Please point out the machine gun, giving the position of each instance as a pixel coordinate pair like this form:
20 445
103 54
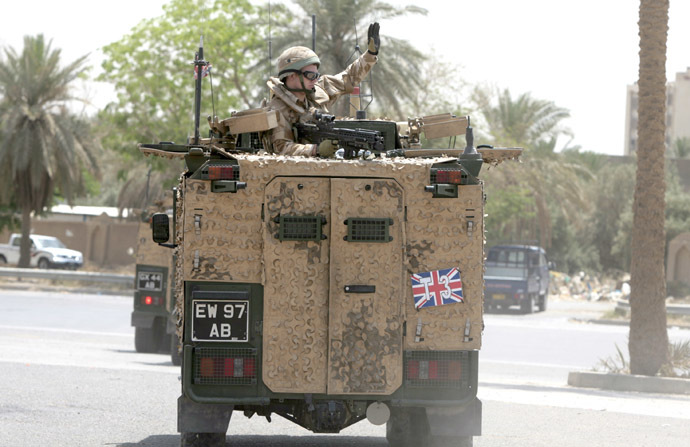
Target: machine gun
351 140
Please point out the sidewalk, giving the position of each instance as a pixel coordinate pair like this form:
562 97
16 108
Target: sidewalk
629 382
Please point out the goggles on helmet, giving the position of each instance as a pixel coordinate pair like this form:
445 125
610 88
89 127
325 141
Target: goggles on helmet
311 75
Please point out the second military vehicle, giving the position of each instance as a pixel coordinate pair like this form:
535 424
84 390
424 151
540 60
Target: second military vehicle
154 329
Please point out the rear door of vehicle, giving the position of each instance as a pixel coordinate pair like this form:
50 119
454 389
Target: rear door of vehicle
333 285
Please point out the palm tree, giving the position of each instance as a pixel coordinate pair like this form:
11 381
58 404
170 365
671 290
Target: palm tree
554 183
648 341
524 121
44 147
396 75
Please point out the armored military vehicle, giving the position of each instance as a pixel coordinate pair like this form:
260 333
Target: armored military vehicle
329 291
153 294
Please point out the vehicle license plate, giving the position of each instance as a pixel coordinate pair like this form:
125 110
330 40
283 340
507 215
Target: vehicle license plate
499 296
220 320
150 281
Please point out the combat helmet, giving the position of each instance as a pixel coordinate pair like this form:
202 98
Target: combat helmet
294 59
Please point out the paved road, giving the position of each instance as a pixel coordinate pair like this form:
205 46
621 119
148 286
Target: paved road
70 376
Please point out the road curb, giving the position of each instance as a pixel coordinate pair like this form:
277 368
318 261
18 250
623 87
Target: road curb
629 382
620 322
93 290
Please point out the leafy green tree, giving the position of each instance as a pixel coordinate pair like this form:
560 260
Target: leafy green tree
154 79
648 340
509 208
44 147
342 24
612 197
677 208
680 148
152 72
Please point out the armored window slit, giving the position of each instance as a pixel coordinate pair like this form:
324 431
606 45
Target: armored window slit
300 228
368 229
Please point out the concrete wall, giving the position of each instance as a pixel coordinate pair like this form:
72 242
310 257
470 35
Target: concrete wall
104 241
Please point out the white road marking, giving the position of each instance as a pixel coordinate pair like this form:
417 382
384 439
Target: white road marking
65 331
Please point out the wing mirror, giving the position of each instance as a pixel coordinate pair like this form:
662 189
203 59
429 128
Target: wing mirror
160 227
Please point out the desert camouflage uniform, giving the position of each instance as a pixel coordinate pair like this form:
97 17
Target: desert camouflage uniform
328 89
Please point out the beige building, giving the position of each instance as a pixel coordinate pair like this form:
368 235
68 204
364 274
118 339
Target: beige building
677 112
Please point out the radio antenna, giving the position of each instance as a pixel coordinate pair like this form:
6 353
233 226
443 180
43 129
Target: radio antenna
270 43
357 95
199 65
313 32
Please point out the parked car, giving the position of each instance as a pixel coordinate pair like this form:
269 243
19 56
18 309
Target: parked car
516 275
46 252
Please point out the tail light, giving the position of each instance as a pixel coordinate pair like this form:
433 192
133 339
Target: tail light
152 300
434 369
240 367
447 369
218 171
221 366
452 177
444 181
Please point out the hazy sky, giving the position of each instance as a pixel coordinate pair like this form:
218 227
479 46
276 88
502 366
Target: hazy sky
578 54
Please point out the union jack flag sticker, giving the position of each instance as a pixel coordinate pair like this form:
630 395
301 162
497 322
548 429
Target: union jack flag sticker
437 288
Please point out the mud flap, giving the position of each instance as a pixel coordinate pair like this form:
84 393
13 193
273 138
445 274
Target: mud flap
143 319
193 417
450 422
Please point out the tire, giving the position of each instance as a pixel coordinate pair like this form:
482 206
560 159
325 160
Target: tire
542 302
3 261
146 339
175 356
527 306
202 439
43 264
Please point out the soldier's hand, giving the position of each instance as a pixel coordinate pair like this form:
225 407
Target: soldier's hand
327 148
373 41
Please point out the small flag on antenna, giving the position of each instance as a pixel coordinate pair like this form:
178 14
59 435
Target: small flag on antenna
205 72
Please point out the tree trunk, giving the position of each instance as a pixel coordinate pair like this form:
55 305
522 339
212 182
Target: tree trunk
648 342
25 247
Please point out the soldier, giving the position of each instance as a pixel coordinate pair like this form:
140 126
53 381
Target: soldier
300 89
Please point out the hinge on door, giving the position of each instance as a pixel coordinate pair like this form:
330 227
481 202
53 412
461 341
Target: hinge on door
197 224
467 331
196 260
418 334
